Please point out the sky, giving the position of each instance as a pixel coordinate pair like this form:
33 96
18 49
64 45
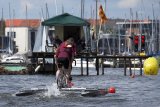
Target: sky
33 9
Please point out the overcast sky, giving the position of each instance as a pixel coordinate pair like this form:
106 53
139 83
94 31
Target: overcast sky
114 8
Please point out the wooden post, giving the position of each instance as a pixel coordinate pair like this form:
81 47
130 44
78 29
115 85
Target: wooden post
141 66
102 67
87 66
44 63
97 63
125 67
130 70
81 66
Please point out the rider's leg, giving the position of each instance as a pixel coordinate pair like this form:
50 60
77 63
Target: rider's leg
57 73
67 69
70 70
59 68
68 81
67 75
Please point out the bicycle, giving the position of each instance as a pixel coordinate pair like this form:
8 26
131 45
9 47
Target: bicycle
61 77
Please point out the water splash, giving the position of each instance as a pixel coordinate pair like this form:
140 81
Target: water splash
52 91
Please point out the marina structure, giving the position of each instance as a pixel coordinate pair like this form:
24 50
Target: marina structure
140 35
110 46
18 40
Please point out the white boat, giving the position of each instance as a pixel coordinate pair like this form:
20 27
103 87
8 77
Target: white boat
108 63
134 68
77 63
15 64
4 55
16 58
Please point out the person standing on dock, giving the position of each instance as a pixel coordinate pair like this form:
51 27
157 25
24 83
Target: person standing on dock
56 42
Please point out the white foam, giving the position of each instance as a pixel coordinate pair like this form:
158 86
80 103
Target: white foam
52 90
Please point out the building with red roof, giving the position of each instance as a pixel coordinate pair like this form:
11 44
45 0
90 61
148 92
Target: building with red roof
23 32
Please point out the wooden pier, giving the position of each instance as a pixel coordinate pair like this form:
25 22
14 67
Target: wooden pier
87 56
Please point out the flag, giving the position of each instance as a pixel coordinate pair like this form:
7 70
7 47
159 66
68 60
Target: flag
102 15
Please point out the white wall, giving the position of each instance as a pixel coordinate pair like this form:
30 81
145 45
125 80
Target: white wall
21 38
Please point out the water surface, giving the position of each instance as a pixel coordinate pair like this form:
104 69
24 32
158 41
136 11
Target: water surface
141 91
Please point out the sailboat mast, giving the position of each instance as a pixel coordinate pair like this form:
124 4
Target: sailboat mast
2 13
62 9
82 8
105 6
96 18
96 27
56 6
47 12
130 33
159 33
152 42
2 32
42 13
10 32
26 32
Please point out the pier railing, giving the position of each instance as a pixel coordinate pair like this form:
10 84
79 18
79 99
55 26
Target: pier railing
127 62
87 56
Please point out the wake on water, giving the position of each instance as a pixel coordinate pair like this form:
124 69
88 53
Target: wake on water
52 91
47 91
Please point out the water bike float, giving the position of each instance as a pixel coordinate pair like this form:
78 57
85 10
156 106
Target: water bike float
26 92
86 92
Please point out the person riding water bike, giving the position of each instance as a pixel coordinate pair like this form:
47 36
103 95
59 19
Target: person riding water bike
64 55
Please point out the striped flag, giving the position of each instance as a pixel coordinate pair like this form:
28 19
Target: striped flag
102 15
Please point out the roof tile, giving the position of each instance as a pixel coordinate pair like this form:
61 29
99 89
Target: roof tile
33 23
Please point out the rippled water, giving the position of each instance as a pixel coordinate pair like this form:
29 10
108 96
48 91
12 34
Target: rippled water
141 91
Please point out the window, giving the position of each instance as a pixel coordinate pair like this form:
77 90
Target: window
12 34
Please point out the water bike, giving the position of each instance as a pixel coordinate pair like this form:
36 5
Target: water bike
86 92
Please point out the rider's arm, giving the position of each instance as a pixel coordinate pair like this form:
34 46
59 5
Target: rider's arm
57 52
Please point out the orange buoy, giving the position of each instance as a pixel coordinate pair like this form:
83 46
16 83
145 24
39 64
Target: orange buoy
111 90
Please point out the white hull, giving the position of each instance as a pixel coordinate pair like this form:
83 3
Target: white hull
108 63
134 68
17 58
77 63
